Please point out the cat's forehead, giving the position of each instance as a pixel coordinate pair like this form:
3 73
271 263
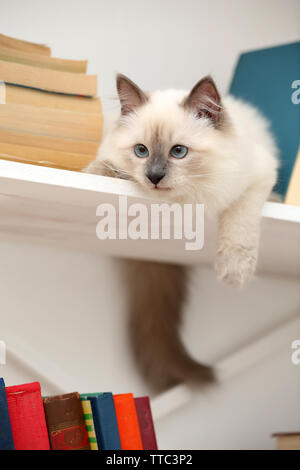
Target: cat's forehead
162 122
164 98
162 117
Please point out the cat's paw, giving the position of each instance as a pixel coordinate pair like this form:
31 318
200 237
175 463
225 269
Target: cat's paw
235 264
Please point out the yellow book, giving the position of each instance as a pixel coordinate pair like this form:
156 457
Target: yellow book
47 79
32 97
85 147
293 192
45 157
25 46
88 416
51 122
288 440
44 61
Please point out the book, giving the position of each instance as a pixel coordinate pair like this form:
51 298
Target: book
6 436
45 157
82 147
128 423
265 79
27 417
76 129
293 191
51 122
145 419
89 422
25 46
66 423
48 113
32 97
288 440
47 79
88 395
105 421
43 61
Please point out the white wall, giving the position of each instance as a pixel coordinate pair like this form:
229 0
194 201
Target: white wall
160 44
240 414
66 308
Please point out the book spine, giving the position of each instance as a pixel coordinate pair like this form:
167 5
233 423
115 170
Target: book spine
128 424
6 436
105 421
65 422
144 413
27 417
89 422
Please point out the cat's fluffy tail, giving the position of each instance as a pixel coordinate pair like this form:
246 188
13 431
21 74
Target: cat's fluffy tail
156 294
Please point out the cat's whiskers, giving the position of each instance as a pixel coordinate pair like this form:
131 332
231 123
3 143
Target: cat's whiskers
118 170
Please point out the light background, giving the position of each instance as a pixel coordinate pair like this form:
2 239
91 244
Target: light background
158 43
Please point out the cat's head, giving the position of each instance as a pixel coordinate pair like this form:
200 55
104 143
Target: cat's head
167 140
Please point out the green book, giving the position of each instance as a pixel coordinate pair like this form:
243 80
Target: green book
88 417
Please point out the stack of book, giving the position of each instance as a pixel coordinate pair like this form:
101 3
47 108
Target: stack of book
90 421
49 113
287 440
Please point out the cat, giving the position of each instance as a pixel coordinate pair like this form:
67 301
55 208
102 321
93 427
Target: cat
188 147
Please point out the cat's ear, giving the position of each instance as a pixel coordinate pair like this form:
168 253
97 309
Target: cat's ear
130 95
204 100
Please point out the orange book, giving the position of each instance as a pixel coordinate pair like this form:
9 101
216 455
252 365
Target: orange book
128 424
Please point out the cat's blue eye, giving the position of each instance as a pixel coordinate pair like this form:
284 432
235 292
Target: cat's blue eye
141 151
179 151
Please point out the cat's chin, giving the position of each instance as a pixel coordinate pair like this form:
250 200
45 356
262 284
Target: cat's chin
169 195
164 193
161 189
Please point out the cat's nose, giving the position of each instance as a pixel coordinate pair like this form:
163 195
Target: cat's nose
155 174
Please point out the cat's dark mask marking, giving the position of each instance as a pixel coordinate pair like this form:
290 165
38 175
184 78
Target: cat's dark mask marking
158 162
204 101
130 95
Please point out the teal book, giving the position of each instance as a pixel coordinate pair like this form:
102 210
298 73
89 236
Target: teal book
270 80
85 396
6 436
105 421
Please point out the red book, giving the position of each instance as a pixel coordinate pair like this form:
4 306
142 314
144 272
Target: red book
143 409
128 424
27 417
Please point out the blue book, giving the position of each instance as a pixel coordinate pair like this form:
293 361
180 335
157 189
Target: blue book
6 437
105 421
270 80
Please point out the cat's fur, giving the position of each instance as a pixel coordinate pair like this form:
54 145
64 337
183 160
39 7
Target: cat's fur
231 167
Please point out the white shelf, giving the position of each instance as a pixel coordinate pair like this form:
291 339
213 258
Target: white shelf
59 207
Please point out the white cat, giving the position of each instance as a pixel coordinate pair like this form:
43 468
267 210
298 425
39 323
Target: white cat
194 147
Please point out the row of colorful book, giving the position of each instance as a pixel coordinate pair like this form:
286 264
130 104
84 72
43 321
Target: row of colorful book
49 112
90 421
